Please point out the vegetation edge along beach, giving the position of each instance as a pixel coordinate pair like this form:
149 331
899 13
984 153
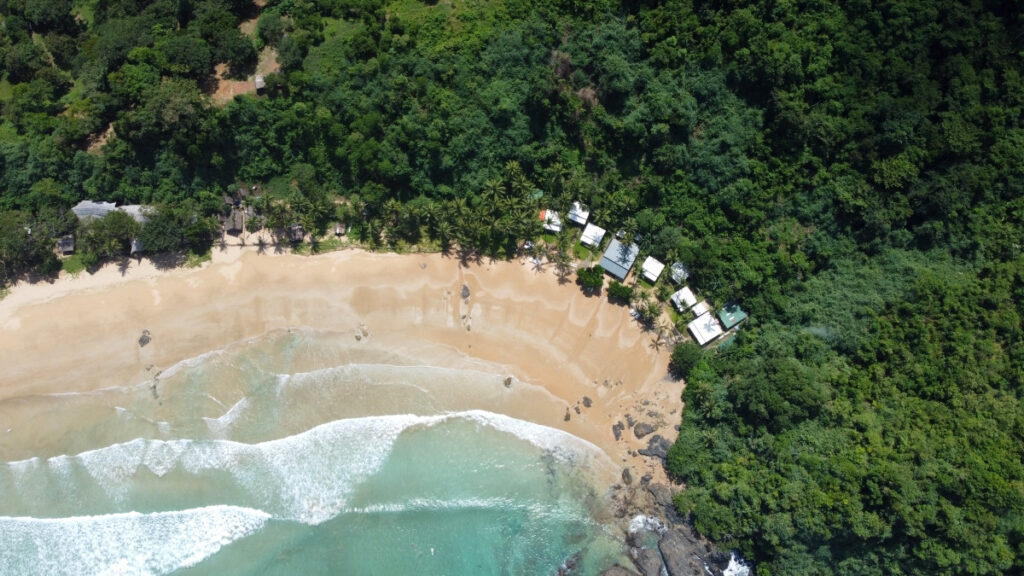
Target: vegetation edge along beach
849 174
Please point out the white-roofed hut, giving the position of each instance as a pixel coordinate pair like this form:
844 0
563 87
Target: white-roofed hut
705 328
683 299
578 214
652 269
592 235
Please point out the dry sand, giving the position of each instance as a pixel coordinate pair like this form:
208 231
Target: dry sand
517 317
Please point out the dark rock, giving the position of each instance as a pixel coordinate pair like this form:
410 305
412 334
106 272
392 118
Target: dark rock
662 494
629 420
649 562
627 476
617 428
642 429
508 382
657 447
577 409
587 402
465 291
567 415
618 571
645 479
144 339
681 553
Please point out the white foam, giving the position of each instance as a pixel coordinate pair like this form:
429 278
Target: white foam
220 425
307 477
647 524
736 567
130 543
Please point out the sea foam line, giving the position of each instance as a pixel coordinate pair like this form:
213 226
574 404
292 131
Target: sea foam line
123 544
307 477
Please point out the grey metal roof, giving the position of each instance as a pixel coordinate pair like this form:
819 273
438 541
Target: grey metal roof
618 259
87 209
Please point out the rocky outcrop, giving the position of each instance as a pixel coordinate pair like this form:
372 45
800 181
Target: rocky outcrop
662 494
657 447
648 561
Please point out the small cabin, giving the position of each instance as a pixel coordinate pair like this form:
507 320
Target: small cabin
296 233
66 245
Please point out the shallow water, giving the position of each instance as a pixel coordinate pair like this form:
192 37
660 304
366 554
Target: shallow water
298 454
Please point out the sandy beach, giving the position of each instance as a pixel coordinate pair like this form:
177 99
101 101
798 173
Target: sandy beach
517 319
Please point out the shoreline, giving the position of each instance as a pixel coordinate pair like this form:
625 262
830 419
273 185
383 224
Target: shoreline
580 349
575 362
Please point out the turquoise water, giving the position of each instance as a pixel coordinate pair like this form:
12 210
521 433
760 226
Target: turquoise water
298 454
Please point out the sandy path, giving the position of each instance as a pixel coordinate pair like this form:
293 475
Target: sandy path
541 332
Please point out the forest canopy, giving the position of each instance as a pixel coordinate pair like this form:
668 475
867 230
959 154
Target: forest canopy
852 172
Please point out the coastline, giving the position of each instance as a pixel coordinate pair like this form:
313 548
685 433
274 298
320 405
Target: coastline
580 349
567 360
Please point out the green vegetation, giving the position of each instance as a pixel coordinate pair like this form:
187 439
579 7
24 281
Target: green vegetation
849 172
620 292
591 279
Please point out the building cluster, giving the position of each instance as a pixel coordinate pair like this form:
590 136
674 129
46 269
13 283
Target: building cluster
619 259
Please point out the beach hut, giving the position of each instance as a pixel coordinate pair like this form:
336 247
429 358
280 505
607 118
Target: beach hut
731 314
700 308
679 273
296 233
592 236
578 215
136 247
618 259
339 229
551 221
66 244
652 269
705 329
683 299
235 221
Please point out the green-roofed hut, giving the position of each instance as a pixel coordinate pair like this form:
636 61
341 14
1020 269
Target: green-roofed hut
731 314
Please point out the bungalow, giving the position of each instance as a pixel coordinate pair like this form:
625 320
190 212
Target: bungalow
259 82
592 235
618 259
578 214
339 229
87 209
235 221
684 299
679 273
138 212
552 222
731 314
700 308
296 233
652 269
705 329
66 244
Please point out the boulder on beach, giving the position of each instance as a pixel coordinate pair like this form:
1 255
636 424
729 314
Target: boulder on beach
681 554
642 429
662 494
648 561
657 447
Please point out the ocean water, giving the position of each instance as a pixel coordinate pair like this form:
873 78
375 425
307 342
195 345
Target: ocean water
298 453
